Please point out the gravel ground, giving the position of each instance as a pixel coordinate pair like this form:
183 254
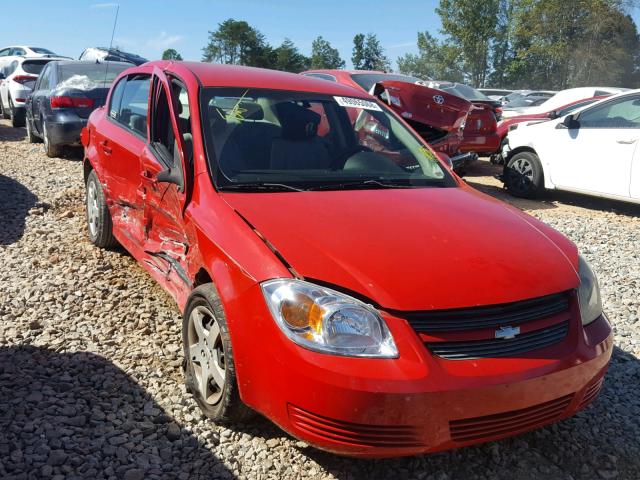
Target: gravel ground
90 379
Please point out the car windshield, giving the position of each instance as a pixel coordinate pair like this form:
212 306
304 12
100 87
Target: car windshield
42 51
89 75
368 80
571 108
519 100
281 140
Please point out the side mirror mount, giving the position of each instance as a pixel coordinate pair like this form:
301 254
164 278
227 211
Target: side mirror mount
171 175
569 122
552 115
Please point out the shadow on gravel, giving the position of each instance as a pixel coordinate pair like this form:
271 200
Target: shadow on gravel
79 416
599 442
11 134
15 202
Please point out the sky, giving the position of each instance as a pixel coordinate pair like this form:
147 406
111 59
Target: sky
148 27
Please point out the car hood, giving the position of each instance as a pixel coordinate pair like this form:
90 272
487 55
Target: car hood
413 249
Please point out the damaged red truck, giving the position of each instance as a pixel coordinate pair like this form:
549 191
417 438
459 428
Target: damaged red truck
367 302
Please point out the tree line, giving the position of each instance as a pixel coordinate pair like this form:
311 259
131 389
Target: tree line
551 44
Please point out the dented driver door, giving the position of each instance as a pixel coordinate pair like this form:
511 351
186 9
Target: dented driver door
164 183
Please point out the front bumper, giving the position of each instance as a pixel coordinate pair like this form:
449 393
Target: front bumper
417 403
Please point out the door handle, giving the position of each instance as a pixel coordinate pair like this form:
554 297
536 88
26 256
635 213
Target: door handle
105 147
627 141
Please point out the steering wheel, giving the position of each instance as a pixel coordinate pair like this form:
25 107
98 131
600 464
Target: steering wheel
340 160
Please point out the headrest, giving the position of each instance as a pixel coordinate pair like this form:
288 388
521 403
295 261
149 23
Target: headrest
250 110
298 123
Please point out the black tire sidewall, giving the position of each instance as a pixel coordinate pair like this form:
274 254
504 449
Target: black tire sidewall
229 408
535 187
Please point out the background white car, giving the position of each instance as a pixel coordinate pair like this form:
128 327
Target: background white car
9 54
17 79
593 151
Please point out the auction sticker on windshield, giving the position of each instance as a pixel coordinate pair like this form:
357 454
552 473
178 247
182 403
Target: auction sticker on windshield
357 103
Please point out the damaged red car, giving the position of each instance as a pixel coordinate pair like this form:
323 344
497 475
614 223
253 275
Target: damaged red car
437 116
367 301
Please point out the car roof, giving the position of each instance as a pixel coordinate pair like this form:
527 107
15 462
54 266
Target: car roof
218 75
89 62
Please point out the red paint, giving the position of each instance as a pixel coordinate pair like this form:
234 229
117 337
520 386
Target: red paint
404 250
420 109
480 131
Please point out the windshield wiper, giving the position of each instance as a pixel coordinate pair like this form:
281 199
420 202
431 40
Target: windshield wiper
365 184
260 186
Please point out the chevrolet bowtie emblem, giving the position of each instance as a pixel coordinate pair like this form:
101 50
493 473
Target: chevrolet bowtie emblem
507 332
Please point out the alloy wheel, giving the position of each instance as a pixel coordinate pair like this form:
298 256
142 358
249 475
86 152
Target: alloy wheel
523 171
93 211
206 354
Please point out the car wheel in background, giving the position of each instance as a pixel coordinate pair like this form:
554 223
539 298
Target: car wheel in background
17 118
49 149
99 222
208 358
3 111
31 137
523 175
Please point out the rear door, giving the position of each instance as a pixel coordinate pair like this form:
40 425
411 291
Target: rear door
598 156
169 153
120 139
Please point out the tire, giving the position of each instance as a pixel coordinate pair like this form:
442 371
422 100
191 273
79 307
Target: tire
50 150
3 110
206 341
31 137
99 223
17 118
523 175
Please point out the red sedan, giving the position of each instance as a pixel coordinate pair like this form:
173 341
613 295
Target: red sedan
368 302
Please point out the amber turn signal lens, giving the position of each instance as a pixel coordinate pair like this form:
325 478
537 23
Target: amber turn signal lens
302 312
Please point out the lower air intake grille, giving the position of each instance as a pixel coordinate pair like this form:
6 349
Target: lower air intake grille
501 347
591 393
354 433
508 423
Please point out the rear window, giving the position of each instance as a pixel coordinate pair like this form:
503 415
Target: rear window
34 66
368 80
463 91
89 75
42 51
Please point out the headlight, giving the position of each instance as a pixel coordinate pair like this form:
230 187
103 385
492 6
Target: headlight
588 293
327 321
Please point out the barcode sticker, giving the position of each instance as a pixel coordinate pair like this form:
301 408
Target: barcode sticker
351 102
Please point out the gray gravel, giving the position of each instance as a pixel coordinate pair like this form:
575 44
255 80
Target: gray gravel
90 379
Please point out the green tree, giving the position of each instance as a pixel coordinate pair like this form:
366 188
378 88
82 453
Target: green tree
323 55
368 54
236 42
470 26
171 54
289 59
436 60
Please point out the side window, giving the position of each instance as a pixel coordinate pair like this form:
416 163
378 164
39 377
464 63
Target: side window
18 51
4 52
116 98
622 113
134 104
43 74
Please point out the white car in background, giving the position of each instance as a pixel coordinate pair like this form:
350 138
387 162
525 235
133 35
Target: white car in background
560 99
592 151
9 54
17 79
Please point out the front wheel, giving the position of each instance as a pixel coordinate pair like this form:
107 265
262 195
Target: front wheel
523 175
208 358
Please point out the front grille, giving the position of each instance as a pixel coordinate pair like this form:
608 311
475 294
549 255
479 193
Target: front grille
354 433
591 393
509 423
501 347
487 317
